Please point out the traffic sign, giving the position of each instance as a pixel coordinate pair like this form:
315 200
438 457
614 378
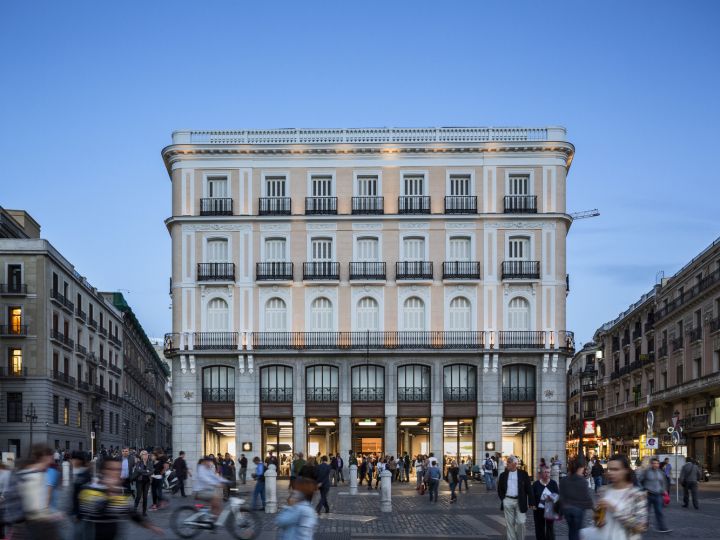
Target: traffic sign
675 438
650 419
92 434
652 443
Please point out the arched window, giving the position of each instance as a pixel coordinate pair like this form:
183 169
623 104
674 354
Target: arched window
460 316
459 383
413 383
414 314
321 315
276 315
368 383
321 383
518 382
368 314
276 384
519 314
218 316
218 383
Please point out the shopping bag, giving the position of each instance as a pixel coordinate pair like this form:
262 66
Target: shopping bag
666 498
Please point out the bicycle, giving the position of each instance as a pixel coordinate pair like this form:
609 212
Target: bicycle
189 521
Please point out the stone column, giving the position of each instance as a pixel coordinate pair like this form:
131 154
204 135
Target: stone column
390 435
187 426
436 432
549 429
488 423
247 410
299 426
345 432
385 491
271 490
353 479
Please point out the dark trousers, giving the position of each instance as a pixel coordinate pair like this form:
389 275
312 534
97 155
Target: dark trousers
543 527
574 517
655 503
157 490
453 495
690 488
433 486
463 478
323 499
181 486
141 492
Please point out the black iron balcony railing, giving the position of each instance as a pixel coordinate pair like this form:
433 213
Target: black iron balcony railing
9 372
92 323
61 338
60 299
702 285
649 327
626 341
359 341
216 206
414 270
521 339
637 334
461 204
519 393
320 206
16 330
215 340
615 344
368 205
459 394
216 271
17 289
276 395
102 331
589 387
461 270
321 270
521 204
81 349
663 350
695 334
99 390
223 395
102 361
91 358
274 271
368 394
589 415
677 343
521 270
59 376
407 393
83 385
648 358
322 394
367 270
114 340
414 204
275 206
80 315
715 324
115 369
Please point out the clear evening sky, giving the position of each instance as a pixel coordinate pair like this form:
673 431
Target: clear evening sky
90 92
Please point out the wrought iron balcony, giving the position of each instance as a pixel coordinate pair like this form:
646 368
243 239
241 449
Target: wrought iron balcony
275 206
649 327
362 341
414 270
102 361
521 339
414 204
715 324
637 334
459 394
13 289
521 270
320 206
102 331
677 343
13 330
80 315
461 204
322 394
702 285
521 204
368 205
695 334
367 270
59 298
276 395
216 206
115 369
408 393
80 349
368 394
92 323
83 385
222 395
9 372
59 376
114 340
589 387
519 393
99 390
201 341
61 338
324 270
274 271
461 270
663 350
626 341
216 271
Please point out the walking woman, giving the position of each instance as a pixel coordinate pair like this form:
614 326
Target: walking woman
141 475
453 474
575 497
159 465
543 527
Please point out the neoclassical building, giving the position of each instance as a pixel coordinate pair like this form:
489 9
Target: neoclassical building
382 290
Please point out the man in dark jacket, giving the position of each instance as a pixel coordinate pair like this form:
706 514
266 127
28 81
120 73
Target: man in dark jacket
181 470
516 497
689 476
323 481
127 466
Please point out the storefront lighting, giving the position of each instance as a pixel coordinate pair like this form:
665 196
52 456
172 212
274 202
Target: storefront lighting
367 423
285 423
409 423
450 423
325 423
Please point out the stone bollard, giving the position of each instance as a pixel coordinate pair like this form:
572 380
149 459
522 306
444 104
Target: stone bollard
385 491
353 479
271 490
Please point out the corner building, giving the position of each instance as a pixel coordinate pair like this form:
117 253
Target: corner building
381 290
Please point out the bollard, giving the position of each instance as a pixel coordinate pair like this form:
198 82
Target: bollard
385 491
353 479
271 490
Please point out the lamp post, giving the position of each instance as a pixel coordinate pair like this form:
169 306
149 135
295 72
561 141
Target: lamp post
31 417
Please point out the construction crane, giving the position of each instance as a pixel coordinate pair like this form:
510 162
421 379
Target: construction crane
585 214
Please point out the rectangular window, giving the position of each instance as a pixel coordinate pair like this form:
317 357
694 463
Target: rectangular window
66 412
518 249
459 248
78 422
217 251
102 420
14 277
367 186
14 407
519 184
679 374
217 187
459 185
15 361
321 250
664 380
111 422
15 317
413 185
56 410
275 186
275 249
367 249
697 368
414 249
321 186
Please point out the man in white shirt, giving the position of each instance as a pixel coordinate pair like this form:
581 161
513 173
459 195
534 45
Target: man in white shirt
516 495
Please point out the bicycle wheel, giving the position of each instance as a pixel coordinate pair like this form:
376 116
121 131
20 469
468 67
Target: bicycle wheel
180 522
242 525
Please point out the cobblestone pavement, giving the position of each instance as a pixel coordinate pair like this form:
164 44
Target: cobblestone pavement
476 515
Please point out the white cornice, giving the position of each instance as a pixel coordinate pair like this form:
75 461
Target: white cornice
211 227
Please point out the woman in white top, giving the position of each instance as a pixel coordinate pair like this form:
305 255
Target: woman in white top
418 471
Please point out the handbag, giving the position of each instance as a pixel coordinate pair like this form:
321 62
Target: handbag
666 498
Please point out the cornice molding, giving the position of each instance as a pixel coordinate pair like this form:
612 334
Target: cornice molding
212 227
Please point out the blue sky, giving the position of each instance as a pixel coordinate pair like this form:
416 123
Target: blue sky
90 92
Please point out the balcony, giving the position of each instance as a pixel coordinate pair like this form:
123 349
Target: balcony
218 395
589 387
414 204
216 271
58 298
64 378
80 315
695 334
715 324
216 206
368 394
322 394
62 339
370 271
84 386
521 270
10 373
276 395
320 206
413 394
519 393
677 343
521 204
590 415
521 339
275 206
13 289
80 350
91 358
647 359
637 334
461 204
98 390
414 270
663 350
114 340
13 330
92 323
321 271
102 361
461 270
364 341
459 394
704 284
649 327
114 369
368 206
102 331
274 271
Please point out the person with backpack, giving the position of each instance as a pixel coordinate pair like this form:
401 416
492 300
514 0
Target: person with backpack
259 476
488 468
432 477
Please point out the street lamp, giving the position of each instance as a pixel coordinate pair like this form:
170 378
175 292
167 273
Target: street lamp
31 418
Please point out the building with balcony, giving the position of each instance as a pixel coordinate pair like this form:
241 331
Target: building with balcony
663 354
583 435
392 290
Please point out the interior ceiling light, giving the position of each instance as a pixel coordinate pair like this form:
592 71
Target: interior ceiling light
505 423
367 423
229 424
409 422
286 423
450 423
325 423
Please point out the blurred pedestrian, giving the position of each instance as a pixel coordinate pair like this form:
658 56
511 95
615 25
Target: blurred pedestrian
297 521
575 497
516 496
652 480
259 477
141 475
181 470
689 477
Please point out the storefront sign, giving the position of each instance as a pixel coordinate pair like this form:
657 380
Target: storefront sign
247 447
589 427
652 443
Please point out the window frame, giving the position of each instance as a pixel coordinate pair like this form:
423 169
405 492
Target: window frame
267 392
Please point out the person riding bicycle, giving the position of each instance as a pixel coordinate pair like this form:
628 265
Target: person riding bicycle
206 485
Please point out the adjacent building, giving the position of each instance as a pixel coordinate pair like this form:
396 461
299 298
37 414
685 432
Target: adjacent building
582 391
380 290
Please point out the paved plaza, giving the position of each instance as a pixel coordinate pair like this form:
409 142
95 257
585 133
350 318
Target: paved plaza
475 515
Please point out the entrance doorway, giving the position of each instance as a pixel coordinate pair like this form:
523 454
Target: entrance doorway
458 440
368 436
277 437
219 437
413 436
517 440
322 436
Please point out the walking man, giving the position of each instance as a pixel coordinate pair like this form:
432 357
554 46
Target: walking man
689 476
243 468
259 476
488 467
432 477
652 480
323 480
181 470
516 497
127 466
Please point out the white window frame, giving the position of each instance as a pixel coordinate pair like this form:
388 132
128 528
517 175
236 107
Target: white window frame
265 318
333 182
263 183
461 234
513 171
332 317
423 173
205 312
373 172
531 302
356 248
267 236
459 172
422 292
213 236
357 317
318 236
414 234
377 293
22 270
207 174
265 294
514 235
473 314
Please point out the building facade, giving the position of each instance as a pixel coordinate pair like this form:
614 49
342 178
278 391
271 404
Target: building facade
381 290
583 434
663 354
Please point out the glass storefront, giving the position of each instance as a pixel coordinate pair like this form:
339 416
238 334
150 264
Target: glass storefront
322 436
219 437
368 435
277 437
458 440
517 440
413 436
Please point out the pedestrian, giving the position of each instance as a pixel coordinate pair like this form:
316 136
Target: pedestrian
243 462
227 471
689 477
333 470
555 469
370 468
127 465
259 477
667 469
653 480
341 466
453 479
575 497
463 475
432 478
419 473
41 521
488 469
181 471
322 476
159 466
297 521
406 467
207 483
542 490
597 473
516 497
141 476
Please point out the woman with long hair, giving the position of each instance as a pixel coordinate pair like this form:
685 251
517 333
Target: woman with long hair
575 497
